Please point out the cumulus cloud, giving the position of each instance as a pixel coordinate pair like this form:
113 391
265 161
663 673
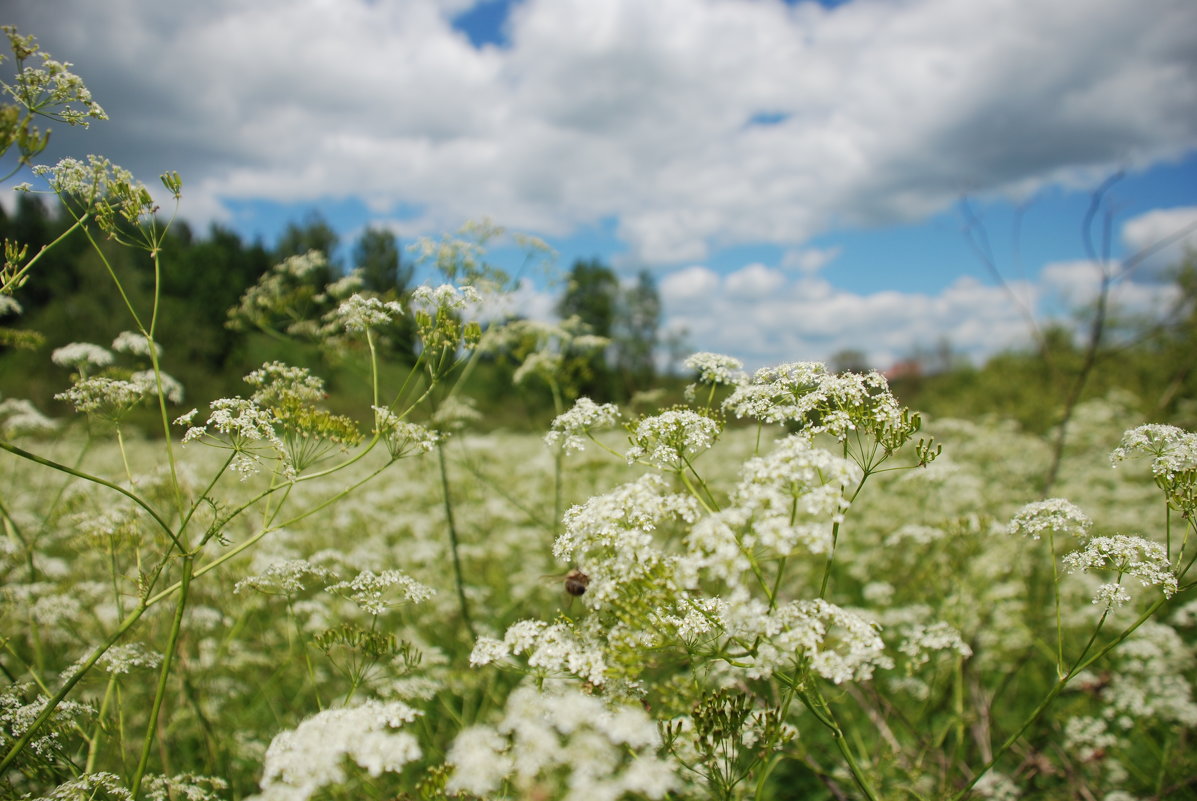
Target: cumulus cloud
1164 235
806 318
695 124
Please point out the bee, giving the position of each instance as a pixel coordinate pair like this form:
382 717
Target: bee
576 582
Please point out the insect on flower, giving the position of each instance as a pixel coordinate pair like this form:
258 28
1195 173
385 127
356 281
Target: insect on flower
575 582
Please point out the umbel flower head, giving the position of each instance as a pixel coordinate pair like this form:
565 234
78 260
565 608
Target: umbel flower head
563 743
1057 515
1173 453
300 761
1124 555
818 401
672 439
570 429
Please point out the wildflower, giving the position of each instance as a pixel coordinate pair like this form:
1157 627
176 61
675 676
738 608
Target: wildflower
120 659
402 438
276 382
822 402
92 786
672 439
110 190
358 313
19 417
938 636
81 356
565 740
1174 465
135 344
148 382
568 429
551 649
1088 737
368 589
50 90
837 644
1057 515
610 538
107 398
186 786
284 577
445 296
1127 556
714 368
9 305
301 761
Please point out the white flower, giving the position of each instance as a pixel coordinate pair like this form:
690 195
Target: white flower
359 313
135 344
715 368
81 355
1057 515
445 296
567 743
301 761
569 428
1128 556
403 438
369 590
671 440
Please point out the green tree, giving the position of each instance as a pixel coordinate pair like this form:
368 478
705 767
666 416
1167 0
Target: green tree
314 233
636 342
592 296
377 255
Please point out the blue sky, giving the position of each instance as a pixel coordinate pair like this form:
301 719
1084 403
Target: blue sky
792 174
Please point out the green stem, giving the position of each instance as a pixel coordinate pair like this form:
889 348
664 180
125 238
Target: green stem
21 742
453 544
164 675
33 457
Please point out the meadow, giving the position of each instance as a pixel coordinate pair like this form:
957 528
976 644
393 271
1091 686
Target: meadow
788 586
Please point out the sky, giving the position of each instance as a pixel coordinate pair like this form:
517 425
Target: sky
800 178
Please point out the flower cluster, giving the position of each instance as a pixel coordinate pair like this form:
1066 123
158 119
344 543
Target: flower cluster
358 313
401 437
300 761
50 90
807 394
570 429
276 383
1127 556
715 368
135 344
563 744
1173 453
610 537
82 356
835 643
370 590
552 650
1057 515
110 191
672 439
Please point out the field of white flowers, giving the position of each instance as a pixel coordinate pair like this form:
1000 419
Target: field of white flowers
789 587
763 614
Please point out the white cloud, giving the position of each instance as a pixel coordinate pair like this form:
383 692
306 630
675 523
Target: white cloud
809 260
806 318
1177 226
754 282
628 110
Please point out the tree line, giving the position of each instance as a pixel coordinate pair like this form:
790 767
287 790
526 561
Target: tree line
207 274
